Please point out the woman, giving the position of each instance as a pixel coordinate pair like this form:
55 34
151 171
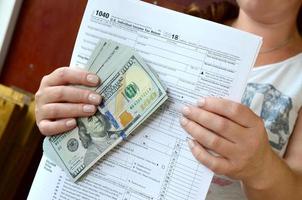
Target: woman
244 141
241 140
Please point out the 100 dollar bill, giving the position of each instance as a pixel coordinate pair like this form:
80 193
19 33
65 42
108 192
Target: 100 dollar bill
131 92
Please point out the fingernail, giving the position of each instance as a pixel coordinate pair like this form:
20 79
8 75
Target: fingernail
88 108
183 121
95 98
186 110
191 144
92 79
201 102
71 123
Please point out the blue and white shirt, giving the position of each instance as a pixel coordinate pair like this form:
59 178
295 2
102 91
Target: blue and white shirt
274 92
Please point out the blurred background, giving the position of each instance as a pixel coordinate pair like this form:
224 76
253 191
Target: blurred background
36 37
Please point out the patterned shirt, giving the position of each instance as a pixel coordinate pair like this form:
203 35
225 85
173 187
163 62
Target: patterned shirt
274 92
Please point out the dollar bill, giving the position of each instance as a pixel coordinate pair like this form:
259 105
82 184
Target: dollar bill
131 93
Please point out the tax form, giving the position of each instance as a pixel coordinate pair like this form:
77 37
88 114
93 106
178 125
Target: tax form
194 58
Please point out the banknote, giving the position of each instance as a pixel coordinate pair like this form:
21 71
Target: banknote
131 92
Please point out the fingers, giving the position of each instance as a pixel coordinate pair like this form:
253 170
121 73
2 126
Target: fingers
58 103
64 110
67 94
211 121
67 75
229 109
207 138
216 164
48 127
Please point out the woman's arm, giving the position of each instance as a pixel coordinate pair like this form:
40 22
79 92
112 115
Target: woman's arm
284 177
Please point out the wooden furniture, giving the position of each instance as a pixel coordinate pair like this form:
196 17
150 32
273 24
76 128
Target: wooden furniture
18 138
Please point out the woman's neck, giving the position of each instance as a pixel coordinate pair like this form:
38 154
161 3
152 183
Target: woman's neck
281 38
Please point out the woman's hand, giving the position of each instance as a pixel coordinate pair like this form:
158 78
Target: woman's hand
58 103
232 131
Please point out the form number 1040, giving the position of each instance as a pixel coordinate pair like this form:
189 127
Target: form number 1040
102 14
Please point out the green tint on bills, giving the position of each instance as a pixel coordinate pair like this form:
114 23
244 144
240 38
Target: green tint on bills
131 92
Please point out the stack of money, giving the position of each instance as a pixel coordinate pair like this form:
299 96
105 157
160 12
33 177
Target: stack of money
131 92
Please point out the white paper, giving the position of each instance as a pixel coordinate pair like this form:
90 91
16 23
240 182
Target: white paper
194 58
9 11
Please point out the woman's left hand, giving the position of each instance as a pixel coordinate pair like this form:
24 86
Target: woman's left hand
233 132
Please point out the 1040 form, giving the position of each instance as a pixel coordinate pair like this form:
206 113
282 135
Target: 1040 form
194 58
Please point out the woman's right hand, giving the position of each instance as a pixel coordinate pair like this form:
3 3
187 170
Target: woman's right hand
58 103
